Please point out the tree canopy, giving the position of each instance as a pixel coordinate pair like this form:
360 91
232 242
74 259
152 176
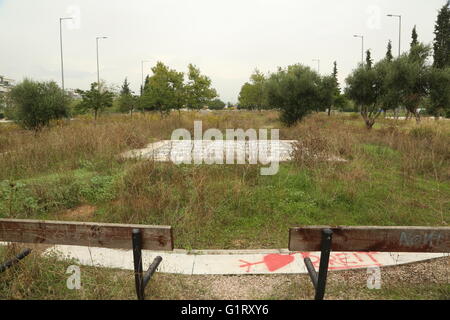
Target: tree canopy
95 99
35 103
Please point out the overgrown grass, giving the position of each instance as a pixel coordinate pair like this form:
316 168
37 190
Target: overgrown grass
396 174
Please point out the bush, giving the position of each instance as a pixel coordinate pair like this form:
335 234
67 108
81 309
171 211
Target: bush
35 103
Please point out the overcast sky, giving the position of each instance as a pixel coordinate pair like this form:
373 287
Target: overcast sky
226 39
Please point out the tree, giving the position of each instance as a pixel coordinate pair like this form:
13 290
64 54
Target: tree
164 90
336 87
389 56
37 103
127 101
296 91
252 95
409 77
439 83
441 44
198 89
363 88
95 99
414 37
217 104
369 61
327 92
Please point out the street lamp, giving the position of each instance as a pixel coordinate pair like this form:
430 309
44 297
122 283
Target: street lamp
399 30
362 46
98 64
318 64
61 42
142 70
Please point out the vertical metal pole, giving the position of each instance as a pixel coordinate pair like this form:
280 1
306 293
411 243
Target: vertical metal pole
327 235
400 35
62 59
362 50
137 256
98 68
142 71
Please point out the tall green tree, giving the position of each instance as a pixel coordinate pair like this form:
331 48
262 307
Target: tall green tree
95 100
389 56
441 44
164 90
414 37
439 89
336 87
369 60
35 103
127 101
199 92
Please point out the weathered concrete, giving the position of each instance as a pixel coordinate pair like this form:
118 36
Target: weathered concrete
231 262
212 150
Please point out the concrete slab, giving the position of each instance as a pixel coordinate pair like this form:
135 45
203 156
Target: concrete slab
218 151
230 262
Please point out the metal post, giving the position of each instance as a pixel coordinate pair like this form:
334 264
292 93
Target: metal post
140 279
362 47
137 257
327 236
62 56
98 68
98 63
399 35
8 264
62 59
362 50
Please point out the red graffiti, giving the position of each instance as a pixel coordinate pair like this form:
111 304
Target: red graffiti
272 261
338 260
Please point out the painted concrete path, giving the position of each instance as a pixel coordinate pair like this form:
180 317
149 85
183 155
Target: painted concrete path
234 262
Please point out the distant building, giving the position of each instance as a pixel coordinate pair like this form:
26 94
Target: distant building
5 84
73 94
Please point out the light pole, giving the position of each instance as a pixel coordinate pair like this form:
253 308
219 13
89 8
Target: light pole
62 57
362 46
318 64
98 64
142 70
399 30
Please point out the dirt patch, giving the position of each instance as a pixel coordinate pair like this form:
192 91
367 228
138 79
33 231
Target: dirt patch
81 213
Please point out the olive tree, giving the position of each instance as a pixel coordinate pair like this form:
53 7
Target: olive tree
296 91
35 103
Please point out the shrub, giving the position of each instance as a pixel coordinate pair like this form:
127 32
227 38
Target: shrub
37 103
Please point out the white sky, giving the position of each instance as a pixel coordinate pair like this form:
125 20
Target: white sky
226 39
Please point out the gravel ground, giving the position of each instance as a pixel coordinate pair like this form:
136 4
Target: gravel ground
424 280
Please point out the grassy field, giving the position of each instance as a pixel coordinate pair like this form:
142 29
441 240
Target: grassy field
396 174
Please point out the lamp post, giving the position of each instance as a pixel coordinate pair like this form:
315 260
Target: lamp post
399 30
318 64
61 43
142 71
98 64
362 46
